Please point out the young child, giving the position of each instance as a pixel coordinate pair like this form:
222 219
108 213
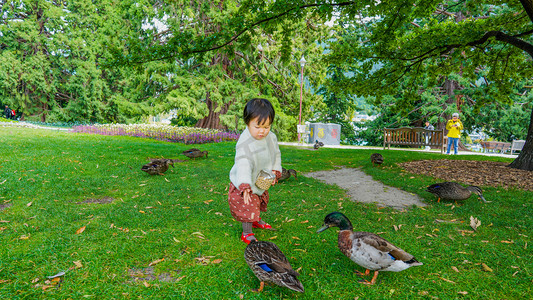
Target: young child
257 149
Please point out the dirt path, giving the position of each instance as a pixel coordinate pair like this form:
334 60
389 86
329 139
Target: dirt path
362 188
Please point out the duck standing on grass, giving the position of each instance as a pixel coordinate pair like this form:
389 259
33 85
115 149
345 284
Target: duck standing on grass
194 153
157 166
368 250
318 144
287 173
376 158
454 191
269 264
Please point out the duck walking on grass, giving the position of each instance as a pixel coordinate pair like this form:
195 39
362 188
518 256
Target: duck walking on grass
376 158
269 264
318 144
287 173
368 250
194 153
157 166
454 191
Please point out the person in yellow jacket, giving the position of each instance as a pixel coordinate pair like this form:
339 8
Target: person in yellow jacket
454 127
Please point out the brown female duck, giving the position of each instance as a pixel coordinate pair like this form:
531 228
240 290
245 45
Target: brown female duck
454 191
286 173
376 158
194 153
269 264
157 166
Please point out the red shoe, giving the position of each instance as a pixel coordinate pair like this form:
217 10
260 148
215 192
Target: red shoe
262 226
245 239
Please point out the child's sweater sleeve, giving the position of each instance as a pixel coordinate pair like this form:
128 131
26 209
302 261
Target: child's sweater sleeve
242 168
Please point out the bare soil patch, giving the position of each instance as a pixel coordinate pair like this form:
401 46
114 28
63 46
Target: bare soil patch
104 200
480 173
148 274
4 206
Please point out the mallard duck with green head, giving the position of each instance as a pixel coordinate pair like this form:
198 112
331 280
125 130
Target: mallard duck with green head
269 264
368 250
157 166
455 191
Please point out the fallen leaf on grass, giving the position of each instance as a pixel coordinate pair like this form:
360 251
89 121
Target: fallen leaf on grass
208 201
142 211
82 229
146 284
29 204
3 281
462 293
167 180
455 269
303 222
35 280
4 221
78 264
486 268
273 237
155 262
176 240
447 280
474 223
198 235
508 242
216 261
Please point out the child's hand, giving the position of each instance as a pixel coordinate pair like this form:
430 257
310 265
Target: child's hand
246 197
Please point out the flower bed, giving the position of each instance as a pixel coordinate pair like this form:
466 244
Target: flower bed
186 135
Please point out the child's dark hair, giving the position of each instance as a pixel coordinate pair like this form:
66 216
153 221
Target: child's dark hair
261 108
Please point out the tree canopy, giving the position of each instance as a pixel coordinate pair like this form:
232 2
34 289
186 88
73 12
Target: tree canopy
120 60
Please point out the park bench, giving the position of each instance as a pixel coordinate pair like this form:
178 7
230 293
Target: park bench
517 145
413 137
488 146
494 146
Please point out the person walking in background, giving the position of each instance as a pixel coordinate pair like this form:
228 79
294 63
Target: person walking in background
454 127
7 112
428 127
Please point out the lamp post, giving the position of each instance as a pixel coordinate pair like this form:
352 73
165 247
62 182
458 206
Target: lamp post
302 63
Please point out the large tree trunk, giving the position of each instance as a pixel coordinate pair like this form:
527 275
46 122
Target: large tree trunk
212 120
524 161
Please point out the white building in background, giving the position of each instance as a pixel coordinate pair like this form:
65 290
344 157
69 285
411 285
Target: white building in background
163 118
363 118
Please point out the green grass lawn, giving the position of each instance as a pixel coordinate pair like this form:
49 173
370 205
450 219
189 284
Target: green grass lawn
173 237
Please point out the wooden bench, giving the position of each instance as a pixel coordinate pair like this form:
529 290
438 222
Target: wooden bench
413 136
494 146
517 145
